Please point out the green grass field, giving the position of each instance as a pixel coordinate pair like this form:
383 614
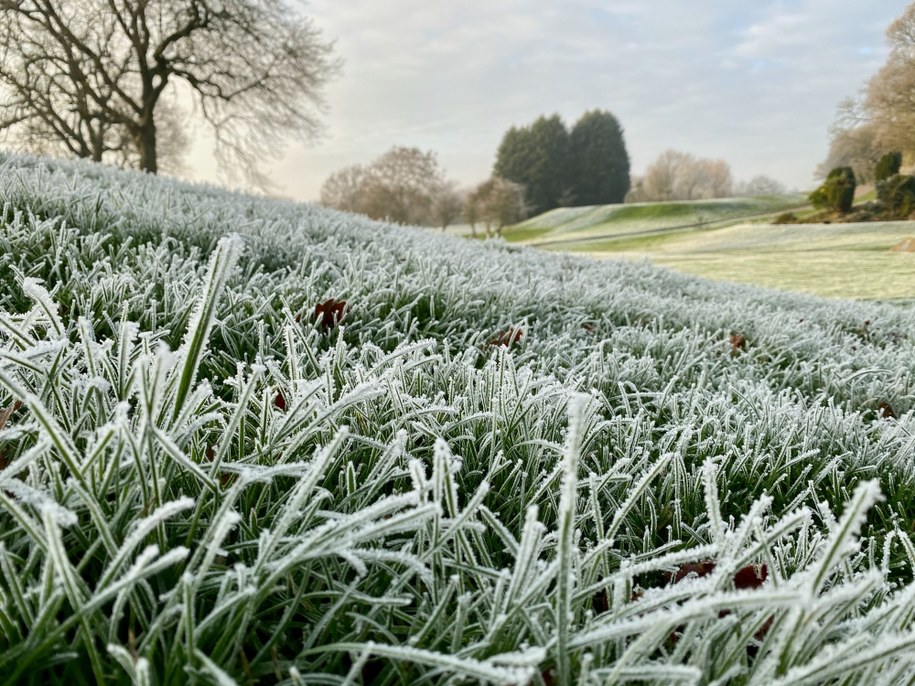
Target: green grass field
566 226
838 260
250 442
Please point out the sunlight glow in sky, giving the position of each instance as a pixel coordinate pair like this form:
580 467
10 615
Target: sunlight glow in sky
755 83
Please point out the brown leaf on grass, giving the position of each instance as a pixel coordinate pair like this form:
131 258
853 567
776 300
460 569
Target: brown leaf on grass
884 411
703 568
330 313
507 337
5 415
8 411
280 400
751 576
600 603
738 342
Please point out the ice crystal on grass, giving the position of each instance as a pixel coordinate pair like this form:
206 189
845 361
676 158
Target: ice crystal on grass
195 485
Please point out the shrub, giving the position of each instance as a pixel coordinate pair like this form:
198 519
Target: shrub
888 166
897 194
837 193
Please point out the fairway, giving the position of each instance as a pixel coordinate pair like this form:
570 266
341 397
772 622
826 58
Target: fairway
567 227
840 260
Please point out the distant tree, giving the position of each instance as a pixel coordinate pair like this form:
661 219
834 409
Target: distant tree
401 186
537 157
471 211
660 179
447 205
91 78
676 175
758 186
636 190
837 193
345 189
498 203
716 180
598 161
853 142
888 166
889 100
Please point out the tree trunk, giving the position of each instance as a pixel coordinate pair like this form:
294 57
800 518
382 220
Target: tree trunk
146 142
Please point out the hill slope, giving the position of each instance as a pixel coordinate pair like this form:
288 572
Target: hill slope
570 227
501 466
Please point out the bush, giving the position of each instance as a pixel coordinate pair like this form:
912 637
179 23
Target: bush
786 218
888 166
837 193
897 194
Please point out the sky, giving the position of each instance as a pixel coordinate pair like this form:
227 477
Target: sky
754 83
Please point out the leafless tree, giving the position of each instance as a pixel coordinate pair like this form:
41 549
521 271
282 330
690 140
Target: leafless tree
344 189
759 185
100 78
677 175
402 186
447 204
498 203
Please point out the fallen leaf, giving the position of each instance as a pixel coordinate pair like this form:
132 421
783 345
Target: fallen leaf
330 313
885 411
507 337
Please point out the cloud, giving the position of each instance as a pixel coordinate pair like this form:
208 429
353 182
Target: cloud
754 84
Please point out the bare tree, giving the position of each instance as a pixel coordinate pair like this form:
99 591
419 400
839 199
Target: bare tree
95 78
853 141
401 186
344 189
676 175
498 203
660 180
758 186
447 204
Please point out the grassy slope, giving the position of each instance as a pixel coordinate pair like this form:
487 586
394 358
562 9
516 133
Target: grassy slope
840 260
844 260
567 225
408 509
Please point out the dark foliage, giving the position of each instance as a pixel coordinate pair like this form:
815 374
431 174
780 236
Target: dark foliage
897 194
837 194
888 166
599 163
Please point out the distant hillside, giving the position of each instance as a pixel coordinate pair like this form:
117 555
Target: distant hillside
566 226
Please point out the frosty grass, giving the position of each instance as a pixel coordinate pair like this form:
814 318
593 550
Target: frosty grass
495 469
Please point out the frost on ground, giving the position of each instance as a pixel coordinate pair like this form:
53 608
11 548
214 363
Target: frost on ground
488 465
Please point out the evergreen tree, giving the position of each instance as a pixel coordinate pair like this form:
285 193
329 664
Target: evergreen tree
537 157
598 160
